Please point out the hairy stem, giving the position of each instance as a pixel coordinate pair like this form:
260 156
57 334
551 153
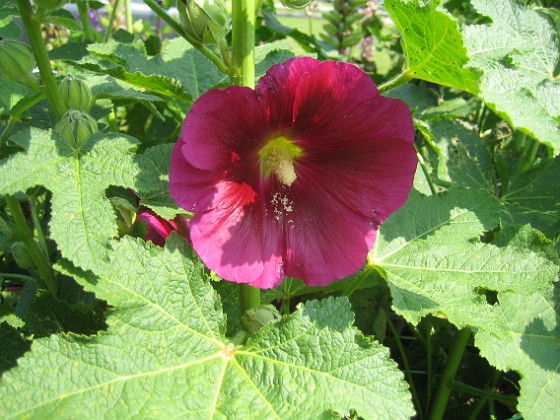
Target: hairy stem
24 234
401 79
406 365
83 9
243 16
446 381
41 57
243 60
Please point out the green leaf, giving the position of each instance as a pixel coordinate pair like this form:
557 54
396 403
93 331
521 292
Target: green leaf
152 184
180 71
463 159
12 92
435 263
531 345
83 220
534 198
518 54
13 346
165 353
432 44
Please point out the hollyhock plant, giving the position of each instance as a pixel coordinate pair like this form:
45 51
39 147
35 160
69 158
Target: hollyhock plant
295 177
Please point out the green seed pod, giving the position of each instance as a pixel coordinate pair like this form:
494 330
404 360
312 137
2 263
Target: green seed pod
76 127
50 4
21 255
17 62
296 4
76 94
205 20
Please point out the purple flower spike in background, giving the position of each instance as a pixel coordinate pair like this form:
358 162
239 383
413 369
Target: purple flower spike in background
295 177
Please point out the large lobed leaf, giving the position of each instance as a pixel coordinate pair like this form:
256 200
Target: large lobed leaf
83 220
518 54
435 263
432 44
531 345
165 354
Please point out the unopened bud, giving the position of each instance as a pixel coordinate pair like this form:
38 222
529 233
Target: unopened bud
50 4
17 62
75 93
205 20
76 127
296 4
256 318
21 255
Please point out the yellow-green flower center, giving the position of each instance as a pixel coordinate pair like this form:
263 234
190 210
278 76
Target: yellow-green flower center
277 157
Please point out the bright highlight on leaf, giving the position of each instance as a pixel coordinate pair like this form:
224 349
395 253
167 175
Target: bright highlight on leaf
432 44
295 177
518 54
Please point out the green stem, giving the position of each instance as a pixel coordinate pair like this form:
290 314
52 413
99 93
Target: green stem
401 79
243 23
406 365
83 9
41 57
128 15
462 387
446 381
429 361
426 170
214 58
109 29
17 276
529 155
24 234
37 224
250 297
361 278
243 40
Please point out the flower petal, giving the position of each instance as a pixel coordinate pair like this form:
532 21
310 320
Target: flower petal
191 188
222 126
279 86
237 240
323 245
338 103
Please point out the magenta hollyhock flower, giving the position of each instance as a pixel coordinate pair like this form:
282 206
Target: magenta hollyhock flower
158 228
295 177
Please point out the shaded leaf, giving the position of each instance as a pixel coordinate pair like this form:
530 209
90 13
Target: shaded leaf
531 345
534 198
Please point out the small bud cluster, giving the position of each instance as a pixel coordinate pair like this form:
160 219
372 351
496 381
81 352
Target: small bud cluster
76 126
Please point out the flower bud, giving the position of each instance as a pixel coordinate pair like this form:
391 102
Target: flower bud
296 4
76 127
17 62
76 94
21 255
256 318
205 20
50 4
